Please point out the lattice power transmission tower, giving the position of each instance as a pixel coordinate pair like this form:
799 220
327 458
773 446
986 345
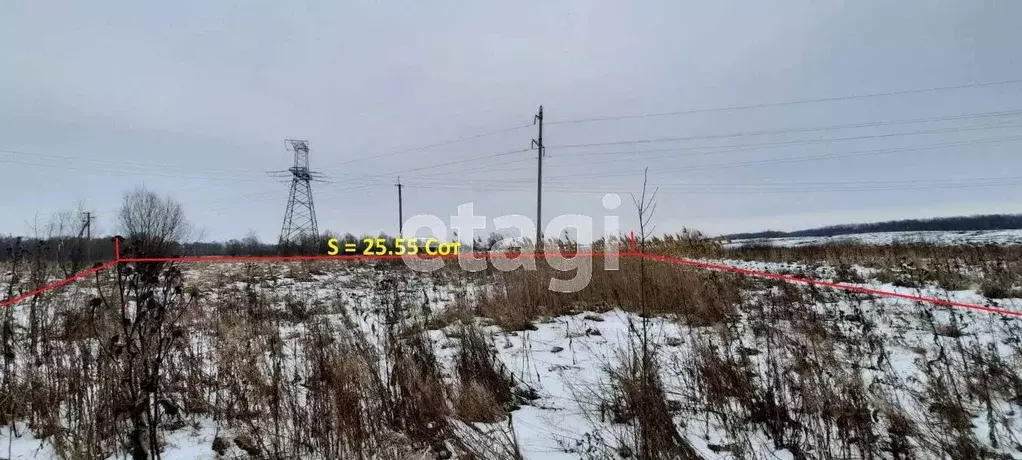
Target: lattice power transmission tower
300 215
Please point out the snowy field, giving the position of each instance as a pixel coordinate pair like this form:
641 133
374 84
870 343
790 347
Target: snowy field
936 237
795 373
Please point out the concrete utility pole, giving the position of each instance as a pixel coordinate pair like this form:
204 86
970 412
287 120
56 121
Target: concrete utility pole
400 214
538 145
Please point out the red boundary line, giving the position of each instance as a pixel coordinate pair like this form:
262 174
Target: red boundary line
527 255
846 287
58 284
474 255
222 259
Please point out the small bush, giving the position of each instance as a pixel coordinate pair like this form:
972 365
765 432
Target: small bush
993 290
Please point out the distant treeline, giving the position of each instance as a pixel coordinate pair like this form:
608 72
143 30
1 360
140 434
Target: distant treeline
102 249
62 248
961 223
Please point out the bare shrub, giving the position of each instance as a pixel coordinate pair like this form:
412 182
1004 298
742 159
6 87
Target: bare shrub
637 397
149 302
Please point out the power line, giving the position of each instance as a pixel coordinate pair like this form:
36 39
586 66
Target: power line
700 191
753 186
422 181
127 167
501 165
717 149
563 180
788 103
369 181
841 183
438 165
222 203
774 160
852 153
429 146
122 163
805 158
376 182
241 179
767 145
568 188
132 168
129 171
740 148
795 130
733 148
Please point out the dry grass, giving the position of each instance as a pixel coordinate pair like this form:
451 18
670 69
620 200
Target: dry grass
992 270
289 371
517 299
637 397
477 403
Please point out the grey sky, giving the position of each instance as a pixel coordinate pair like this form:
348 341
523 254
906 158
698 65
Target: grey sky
194 99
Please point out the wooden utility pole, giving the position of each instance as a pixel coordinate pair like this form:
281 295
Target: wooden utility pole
87 223
88 235
538 145
400 213
87 230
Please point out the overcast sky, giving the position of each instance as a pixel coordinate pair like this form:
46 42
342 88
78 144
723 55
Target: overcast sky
194 99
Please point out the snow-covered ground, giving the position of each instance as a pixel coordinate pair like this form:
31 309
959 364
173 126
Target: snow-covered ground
890 343
881 238
563 421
